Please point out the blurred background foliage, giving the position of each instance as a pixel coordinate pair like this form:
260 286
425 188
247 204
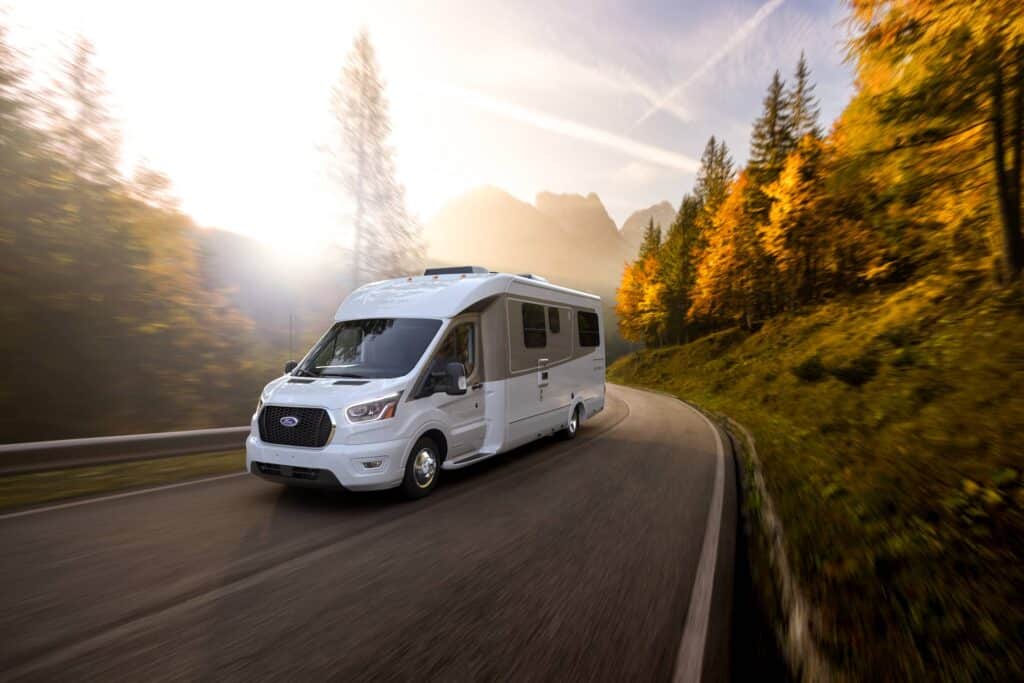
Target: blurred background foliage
119 314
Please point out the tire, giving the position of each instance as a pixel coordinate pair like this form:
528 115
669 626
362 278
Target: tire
422 468
573 427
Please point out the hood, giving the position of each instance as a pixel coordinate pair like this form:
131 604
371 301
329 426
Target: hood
333 393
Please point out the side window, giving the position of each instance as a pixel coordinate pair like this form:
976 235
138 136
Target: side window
465 346
587 324
458 347
535 334
553 323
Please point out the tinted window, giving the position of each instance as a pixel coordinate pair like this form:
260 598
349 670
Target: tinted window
553 323
458 347
535 334
590 333
379 347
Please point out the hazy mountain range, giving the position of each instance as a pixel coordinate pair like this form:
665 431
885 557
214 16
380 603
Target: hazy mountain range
567 238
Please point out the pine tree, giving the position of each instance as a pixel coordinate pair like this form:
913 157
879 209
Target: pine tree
385 239
771 142
714 175
771 139
796 236
651 241
803 105
677 267
639 302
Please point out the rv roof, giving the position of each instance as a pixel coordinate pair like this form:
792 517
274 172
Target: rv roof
434 296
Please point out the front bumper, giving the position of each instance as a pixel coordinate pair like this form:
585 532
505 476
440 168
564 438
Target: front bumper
362 467
296 476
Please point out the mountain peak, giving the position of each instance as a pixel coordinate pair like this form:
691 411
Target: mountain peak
632 231
578 215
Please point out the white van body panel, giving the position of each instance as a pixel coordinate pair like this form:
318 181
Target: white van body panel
520 394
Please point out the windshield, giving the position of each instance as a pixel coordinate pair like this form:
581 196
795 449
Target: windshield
376 348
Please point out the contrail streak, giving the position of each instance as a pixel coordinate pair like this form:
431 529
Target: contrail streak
572 129
741 34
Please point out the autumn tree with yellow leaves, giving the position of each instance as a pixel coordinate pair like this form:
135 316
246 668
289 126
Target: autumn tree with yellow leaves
922 171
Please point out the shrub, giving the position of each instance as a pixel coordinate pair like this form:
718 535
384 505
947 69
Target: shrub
899 336
929 390
810 370
858 371
904 359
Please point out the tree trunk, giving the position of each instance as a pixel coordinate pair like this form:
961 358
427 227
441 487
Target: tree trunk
1008 177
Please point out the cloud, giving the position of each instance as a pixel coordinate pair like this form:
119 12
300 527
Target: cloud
568 128
636 173
740 35
518 66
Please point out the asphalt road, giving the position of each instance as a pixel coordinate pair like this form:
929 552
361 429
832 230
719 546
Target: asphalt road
558 561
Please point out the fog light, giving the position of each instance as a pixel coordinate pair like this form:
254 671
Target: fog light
372 464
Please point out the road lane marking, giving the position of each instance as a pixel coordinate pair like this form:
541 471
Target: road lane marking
126 494
690 659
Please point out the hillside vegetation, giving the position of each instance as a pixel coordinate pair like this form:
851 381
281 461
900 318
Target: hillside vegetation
889 426
854 297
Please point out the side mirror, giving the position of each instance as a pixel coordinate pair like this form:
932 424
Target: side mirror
456 379
289 366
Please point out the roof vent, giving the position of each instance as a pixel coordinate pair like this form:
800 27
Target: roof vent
457 270
531 276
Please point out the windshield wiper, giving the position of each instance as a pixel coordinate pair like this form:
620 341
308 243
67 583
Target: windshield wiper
305 372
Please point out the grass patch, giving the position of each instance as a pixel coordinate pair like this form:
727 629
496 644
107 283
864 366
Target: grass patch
23 490
890 438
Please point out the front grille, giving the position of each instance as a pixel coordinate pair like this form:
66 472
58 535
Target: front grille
312 430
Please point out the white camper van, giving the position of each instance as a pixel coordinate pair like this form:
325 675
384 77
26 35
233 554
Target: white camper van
431 373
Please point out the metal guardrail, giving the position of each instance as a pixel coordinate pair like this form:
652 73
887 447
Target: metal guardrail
39 456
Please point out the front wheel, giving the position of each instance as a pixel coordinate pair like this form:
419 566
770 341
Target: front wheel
421 469
574 425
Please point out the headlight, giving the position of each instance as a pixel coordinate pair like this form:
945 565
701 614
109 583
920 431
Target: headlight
378 409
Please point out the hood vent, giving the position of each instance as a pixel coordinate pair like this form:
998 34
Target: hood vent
351 382
300 381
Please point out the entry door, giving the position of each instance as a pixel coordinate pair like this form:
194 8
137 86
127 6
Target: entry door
467 422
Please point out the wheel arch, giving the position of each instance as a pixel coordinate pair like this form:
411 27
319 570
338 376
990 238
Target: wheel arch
577 404
437 436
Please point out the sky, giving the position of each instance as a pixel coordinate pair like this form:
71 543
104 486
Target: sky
231 99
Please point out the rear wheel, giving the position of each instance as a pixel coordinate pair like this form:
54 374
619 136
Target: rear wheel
421 469
574 424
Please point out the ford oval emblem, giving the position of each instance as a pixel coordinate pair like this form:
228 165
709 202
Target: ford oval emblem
289 421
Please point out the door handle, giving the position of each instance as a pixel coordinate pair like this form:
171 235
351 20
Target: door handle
477 386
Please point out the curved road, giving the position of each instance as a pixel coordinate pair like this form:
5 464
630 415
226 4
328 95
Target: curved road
598 559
